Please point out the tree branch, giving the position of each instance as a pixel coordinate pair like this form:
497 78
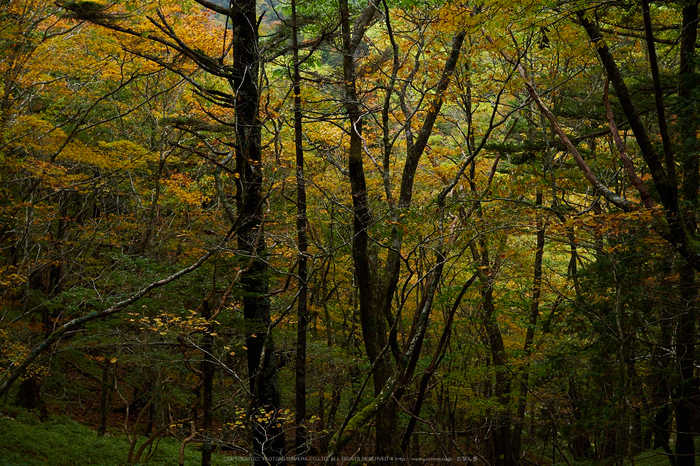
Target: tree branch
17 369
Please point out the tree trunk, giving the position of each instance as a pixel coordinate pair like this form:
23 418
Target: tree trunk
268 436
685 392
661 395
208 370
503 453
677 232
106 397
686 409
374 328
302 243
377 287
530 334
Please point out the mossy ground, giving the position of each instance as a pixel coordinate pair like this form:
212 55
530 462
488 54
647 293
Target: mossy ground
59 441
27 440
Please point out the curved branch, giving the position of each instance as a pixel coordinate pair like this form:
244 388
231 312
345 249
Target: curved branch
634 178
619 201
17 369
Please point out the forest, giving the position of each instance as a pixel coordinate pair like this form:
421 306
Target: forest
350 231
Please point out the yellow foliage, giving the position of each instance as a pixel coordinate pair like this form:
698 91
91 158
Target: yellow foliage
34 133
182 189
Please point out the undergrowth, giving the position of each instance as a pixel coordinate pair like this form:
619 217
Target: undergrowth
28 441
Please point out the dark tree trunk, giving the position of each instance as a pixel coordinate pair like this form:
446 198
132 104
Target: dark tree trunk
106 397
665 181
686 408
501 437
374 328
377 286
208 370
29 393
685 392
268 437
661 383
302 242
581 442
530 334
688 112
437 357
500 448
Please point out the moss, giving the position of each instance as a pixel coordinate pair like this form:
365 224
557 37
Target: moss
64 442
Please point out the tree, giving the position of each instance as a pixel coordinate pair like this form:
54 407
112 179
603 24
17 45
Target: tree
242 75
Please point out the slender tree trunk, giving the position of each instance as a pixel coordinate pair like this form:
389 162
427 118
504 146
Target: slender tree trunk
500 450
151 217
530 334
437 357
374 326
661 395
688 82
302 225
208 370
580 444
376 288
503 453
106 396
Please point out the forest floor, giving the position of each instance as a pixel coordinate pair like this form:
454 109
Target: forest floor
32 438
